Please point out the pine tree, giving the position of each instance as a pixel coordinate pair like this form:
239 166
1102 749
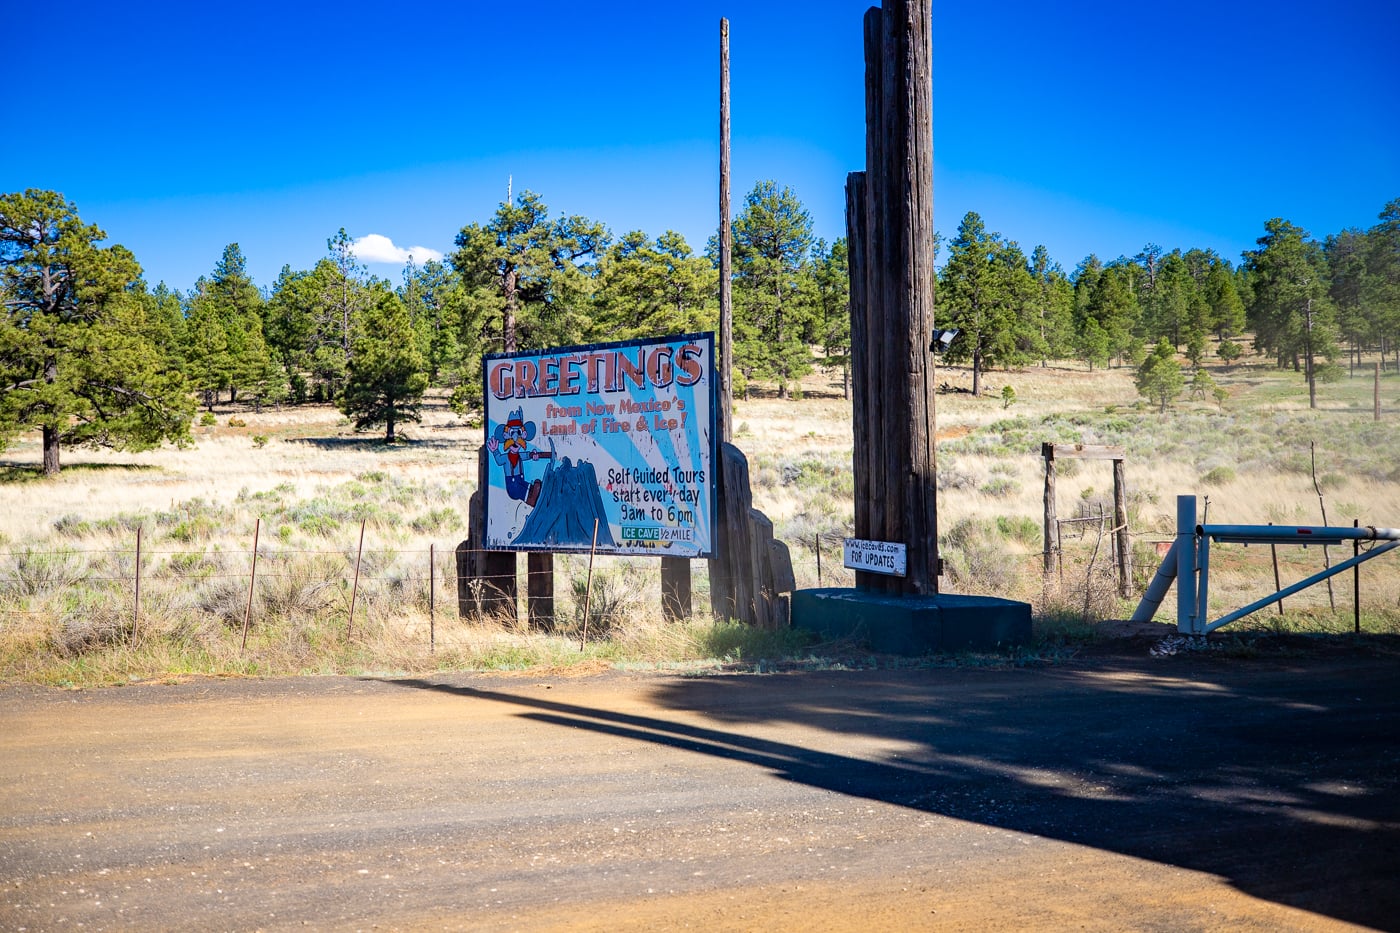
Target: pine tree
1159 378
1383 274
831 296
1054 306
385 380
239 359
343 298
1113 306
208 358
1223 296
648 288
427 293
1289 310
288 327
986 291
76 357
1349 276
773 313
531 274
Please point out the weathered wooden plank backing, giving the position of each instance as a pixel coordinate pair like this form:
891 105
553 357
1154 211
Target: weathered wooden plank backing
1080 452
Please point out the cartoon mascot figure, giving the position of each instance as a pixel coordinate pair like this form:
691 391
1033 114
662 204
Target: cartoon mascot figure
509 445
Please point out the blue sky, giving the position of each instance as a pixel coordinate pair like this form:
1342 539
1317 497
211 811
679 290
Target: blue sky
1089 127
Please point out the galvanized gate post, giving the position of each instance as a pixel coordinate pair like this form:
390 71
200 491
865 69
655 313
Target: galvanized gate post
1188 620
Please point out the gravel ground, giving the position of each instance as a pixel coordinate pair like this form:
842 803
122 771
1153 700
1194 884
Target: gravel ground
1193 791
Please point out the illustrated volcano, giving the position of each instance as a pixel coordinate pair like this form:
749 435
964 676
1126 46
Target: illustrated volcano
564 513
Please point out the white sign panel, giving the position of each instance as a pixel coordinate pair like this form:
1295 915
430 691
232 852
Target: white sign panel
875 556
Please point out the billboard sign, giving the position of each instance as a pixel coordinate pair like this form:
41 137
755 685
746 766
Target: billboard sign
623 433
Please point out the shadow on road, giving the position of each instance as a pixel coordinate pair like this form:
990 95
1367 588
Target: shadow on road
1282 781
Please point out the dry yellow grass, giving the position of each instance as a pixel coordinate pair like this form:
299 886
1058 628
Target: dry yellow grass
799 452
779 430
308 447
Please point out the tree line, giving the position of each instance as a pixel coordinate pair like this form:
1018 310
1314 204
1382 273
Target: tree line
1301 299
90 354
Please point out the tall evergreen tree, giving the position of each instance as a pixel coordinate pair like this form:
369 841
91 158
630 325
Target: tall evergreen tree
1288 309
830 282
208 358
229 302
773 313
1349 277
1054 306
1114 305
1383 274
385 380
343 299
76 358
1222 296
647 288
427 293
311 318
289 326
165 321
986 291
531 274
1166 306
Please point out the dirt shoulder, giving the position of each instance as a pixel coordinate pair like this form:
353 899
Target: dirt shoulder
1194 791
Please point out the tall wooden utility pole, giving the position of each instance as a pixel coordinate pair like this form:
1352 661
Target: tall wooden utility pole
726 246
890 237
731 539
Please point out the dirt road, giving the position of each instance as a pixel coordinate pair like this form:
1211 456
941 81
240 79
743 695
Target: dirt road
1123 792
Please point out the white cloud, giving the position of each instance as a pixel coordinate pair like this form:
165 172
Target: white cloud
377 248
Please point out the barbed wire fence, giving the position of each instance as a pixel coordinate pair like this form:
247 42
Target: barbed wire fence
364 579
132 585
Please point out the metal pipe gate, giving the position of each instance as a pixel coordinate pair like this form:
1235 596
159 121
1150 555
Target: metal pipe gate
1188 562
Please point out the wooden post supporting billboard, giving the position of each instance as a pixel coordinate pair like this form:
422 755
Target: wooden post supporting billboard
539 590
494 572
675 588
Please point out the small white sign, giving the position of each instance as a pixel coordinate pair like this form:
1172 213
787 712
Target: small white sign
875 556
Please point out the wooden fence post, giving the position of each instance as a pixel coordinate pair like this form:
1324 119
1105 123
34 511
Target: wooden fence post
252 578
497 570
136 603
1052 525
355 587
1120 522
